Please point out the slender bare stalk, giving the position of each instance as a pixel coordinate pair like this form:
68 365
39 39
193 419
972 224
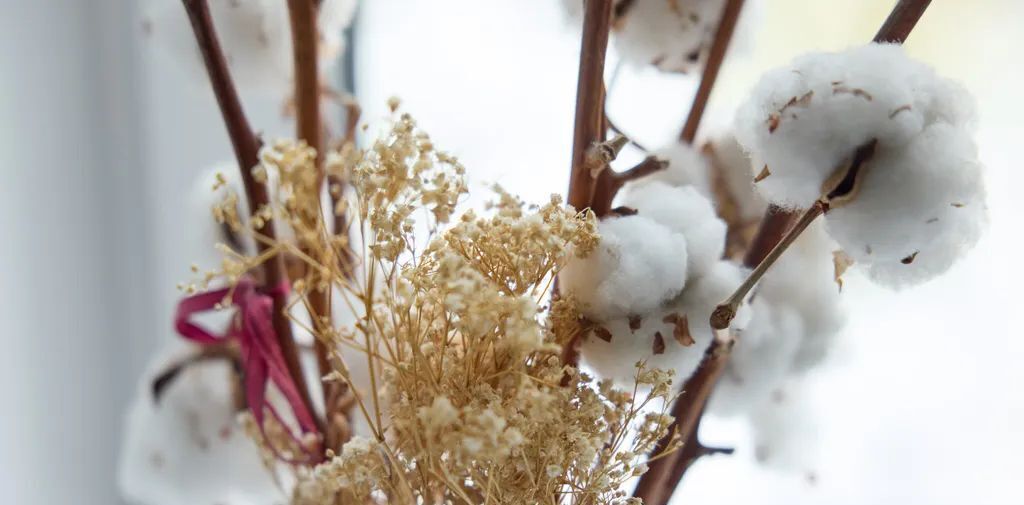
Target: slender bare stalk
246 147
716 55
606 190
589 123
310 128
657 485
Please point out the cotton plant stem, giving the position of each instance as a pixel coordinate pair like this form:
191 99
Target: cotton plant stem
716 55
606 192
656 486
589 125
774 227
590 94
246 147
726 311
310 128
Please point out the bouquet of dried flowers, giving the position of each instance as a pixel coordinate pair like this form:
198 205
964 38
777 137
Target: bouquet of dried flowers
389 346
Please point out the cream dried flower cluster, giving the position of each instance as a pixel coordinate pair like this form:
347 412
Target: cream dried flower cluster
466 399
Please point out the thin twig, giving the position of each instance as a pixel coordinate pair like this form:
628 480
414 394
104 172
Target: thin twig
895 29
615 129
723 35
603 199
309 126
246 147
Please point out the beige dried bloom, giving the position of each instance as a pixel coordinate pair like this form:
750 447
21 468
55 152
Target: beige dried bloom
468 401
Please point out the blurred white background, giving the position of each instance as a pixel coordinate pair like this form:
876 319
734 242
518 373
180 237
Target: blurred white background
101 137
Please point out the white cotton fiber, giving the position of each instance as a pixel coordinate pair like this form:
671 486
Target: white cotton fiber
731 167
638 265
687 166
804 279
189 447
616 359
804 120
920 207
672 35
254 34
761 359
613 350
686 211
785 431
796 316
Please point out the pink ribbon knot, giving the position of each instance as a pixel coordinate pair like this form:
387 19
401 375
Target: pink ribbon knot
262 360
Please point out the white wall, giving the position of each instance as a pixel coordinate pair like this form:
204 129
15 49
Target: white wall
76 293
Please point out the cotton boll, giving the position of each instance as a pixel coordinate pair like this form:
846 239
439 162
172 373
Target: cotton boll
255 36
761 359
804 278
683 210
189 447
686 167
731 173
653 341
960 236
671 35
638 265
920 207
785 431
334 17
704 293
804 120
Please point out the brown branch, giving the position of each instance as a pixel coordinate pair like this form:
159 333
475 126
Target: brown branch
589 127
648 166
605 193
310 128
723 35
246 147
589 123
901 21
655 487
660 484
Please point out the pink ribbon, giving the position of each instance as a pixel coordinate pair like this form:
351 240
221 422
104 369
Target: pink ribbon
262 360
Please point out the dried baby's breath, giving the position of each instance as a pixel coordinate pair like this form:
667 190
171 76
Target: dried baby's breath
468 401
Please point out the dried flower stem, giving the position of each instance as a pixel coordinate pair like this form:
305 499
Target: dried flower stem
895 29
246 147
723 35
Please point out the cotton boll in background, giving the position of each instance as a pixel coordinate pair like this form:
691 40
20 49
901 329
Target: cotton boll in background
731 171
761 359
638 265
189 447
687 166
672 36
686 211
255 36
804 278
785 431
